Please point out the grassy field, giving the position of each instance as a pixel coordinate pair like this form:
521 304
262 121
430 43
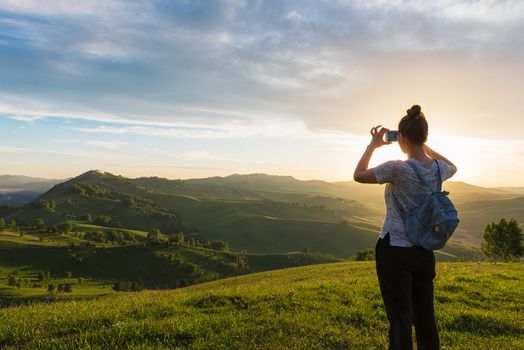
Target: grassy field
328 306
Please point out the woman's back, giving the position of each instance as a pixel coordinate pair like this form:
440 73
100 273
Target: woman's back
410 191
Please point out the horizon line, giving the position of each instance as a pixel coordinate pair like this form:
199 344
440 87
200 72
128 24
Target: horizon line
232 174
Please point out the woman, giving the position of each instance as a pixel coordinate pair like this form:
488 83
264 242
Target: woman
405 271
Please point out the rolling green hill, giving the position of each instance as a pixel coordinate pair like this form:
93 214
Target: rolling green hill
231 206
328 306
275 221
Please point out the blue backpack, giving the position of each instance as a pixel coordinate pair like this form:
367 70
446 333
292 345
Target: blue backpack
432 223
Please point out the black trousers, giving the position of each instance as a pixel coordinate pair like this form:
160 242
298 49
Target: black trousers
405 276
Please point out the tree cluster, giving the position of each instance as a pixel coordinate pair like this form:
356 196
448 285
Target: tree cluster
127 286
119 237
60 288
49 205
365 255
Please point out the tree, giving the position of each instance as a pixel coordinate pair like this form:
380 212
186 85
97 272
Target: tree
219 245
51 288
129 202
65 227
12 223
12 280
41 276
2 223
306 250
127 286
39 223
241 261
365 255
503 240
153 235
88 217
68 274
177 238
103 220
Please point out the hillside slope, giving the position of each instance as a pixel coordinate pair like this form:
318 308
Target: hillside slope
332 306
93 268
260 213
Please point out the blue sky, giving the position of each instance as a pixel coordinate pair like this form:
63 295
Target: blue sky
201 88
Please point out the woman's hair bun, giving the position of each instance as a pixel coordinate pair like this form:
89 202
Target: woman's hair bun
414 111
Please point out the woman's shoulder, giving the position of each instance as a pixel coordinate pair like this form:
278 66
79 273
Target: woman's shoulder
390 171
394 162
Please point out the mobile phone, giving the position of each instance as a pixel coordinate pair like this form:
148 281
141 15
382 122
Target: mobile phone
392 135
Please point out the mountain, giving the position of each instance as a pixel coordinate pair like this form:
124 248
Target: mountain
18 190
15 183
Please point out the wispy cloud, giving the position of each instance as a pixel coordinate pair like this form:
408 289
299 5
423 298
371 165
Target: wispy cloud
144 60
223 80
7 149
65 141
110 145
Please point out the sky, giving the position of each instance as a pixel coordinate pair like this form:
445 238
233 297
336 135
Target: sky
183 89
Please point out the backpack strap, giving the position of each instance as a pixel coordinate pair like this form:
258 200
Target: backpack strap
428 185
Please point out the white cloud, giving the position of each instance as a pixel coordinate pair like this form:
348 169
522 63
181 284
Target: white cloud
488 11
110 145
275 128
7 149
294 16
27 118
65 140
60 7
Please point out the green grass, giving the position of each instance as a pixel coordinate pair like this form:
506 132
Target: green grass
329 306
32 238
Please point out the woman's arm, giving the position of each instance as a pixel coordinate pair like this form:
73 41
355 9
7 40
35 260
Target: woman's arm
362 173
435 155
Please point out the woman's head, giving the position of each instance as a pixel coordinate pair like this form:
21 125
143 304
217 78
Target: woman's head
413 128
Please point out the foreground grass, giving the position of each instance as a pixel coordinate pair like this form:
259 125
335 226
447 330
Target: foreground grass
329 306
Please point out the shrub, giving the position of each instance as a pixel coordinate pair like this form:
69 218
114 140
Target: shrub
12 280
103 220
127 286
153 235
39 223
65 227
365 255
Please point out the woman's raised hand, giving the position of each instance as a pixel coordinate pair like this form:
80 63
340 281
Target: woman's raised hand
377 135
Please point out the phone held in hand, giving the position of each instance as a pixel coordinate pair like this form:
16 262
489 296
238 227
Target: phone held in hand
392 135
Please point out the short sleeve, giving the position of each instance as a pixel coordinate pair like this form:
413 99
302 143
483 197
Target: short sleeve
387 171
445 170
